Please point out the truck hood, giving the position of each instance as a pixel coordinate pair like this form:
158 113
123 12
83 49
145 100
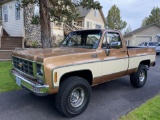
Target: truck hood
40 54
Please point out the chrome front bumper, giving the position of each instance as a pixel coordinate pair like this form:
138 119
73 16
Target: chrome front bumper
38 89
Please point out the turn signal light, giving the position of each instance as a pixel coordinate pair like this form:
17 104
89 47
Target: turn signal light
55 77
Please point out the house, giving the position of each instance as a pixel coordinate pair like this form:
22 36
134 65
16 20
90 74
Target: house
11 17
11 28
16 27
90 19
143 34
17 22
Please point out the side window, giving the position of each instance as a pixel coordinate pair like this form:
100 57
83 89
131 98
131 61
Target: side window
111 40
5 13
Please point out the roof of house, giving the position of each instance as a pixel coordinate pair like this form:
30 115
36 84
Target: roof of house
140 29
83 12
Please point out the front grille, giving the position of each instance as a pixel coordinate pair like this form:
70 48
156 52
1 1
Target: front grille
23 66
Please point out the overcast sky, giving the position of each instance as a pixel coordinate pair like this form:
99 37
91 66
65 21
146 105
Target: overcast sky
132 11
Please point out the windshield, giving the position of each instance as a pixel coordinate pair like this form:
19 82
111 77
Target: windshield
83 39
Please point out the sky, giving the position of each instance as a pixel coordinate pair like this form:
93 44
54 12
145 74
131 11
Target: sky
132 11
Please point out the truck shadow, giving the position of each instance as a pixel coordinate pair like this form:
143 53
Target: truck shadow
47 103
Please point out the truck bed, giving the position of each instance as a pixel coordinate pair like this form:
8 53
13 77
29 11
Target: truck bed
139 50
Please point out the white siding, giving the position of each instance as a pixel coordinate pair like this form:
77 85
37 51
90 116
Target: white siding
13 27
93 24
94 20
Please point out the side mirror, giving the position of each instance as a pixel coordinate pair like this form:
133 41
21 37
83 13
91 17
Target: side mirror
116 45
107 52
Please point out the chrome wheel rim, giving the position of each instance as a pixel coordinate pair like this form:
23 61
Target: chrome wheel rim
142 76
77 97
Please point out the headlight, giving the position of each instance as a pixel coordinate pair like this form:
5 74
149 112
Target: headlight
39 70
40 74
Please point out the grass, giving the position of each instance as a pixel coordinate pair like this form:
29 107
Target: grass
6 82
148 111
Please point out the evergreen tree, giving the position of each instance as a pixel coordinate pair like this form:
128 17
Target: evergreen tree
128 29
145 22
58 10
114 20
154 17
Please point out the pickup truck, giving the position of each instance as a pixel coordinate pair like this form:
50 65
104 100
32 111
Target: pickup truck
85 58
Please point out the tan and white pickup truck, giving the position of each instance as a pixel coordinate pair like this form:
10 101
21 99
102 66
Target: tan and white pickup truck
84 59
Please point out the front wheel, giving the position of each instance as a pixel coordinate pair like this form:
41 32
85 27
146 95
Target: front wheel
73 96
138 79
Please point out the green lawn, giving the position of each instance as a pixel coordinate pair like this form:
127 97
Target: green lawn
6 82
148 111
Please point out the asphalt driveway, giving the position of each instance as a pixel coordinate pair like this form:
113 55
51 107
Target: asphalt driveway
109 101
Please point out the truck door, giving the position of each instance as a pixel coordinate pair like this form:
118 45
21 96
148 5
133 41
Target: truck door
115 62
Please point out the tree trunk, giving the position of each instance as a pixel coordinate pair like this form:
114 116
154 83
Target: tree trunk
45 24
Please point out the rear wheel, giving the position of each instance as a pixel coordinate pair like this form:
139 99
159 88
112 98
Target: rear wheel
138 79
73 96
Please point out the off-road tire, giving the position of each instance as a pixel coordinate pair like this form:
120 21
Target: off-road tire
63 98
138 79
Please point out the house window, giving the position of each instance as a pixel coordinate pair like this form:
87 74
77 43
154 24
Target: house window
89 24
79 23
36 10
128 43
95 13
98 26
17 11
5 13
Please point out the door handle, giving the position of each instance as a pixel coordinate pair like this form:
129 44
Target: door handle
94 56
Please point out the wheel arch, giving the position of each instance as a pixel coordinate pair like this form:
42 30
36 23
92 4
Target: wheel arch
146 62
86 74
